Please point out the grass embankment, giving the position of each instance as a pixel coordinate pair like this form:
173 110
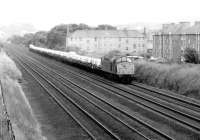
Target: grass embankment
183 79
24 123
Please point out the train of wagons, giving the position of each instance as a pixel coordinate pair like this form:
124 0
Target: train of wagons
116 67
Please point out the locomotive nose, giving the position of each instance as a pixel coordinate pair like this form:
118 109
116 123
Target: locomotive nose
125 68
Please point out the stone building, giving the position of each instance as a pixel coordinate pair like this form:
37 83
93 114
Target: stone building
172 40
103 41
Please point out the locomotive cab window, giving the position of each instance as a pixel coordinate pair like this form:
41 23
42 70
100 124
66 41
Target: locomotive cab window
123 59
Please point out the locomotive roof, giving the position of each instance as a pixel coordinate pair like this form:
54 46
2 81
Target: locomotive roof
114 55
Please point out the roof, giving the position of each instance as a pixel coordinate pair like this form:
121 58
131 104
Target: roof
176 28
194 29
106 33
180 28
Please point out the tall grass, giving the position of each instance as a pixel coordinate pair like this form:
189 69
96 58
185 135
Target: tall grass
183 79
25 125
8 67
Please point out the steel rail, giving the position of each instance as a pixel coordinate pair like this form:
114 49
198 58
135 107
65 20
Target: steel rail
40 64
140 96
57 101
187 101
103 100
59 90
158 131
168 94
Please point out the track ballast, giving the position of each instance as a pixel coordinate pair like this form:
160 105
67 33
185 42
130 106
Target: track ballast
107 110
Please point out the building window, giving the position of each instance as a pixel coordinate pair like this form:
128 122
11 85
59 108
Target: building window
126 48
119 39
88 41
71 38
119 45
127 41
134 46
143 45
95 39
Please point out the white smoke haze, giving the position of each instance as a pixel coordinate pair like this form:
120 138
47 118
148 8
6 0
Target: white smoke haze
45 14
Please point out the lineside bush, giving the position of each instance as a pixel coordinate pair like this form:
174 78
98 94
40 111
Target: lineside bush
23 119
183 79
191 56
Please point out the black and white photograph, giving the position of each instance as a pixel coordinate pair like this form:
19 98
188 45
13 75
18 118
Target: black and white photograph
100 70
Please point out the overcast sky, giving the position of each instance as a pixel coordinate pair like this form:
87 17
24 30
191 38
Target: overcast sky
44 14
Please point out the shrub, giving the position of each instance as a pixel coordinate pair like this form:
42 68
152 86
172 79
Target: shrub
191 56
24 122
8 67
183 79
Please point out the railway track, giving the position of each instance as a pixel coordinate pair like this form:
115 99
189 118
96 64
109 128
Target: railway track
125 123
116 102
123 134
168 96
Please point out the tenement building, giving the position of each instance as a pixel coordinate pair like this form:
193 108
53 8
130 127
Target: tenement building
171 41
103 41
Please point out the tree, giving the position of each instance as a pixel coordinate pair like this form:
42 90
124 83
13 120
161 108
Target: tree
83 26
191 55
56 37
28 39
16 39
106 27
40 38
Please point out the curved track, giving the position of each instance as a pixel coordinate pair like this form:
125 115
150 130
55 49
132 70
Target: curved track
118 111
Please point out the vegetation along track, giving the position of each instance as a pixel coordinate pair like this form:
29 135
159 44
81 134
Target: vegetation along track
144 114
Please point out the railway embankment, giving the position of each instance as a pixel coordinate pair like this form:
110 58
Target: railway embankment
183 79
17 118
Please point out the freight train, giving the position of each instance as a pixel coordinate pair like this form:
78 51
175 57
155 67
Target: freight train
116 67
